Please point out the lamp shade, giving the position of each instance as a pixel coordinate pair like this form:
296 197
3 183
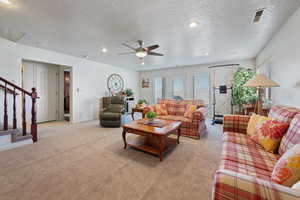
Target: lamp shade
260 80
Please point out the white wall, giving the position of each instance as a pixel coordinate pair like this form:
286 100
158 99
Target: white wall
284 63
89 78
187 72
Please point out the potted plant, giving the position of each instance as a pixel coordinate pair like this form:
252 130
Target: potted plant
128 92
151 116
142 103
241 94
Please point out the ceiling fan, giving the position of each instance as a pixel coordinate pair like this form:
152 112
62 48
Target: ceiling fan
141 51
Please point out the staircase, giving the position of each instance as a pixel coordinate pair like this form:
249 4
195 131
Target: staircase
9 132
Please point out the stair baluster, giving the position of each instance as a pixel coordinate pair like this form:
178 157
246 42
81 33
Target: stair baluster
5 120
14 110
33 115
24 114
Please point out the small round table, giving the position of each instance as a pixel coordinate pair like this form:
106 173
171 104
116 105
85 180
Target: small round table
140 110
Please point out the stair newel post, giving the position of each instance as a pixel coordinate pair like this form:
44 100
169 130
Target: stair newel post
24 114
14 110
5 120
33 115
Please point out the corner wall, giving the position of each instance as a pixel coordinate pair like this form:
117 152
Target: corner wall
282 62
89 78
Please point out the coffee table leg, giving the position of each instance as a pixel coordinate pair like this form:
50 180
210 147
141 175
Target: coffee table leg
161 147
178 135
132 115
124 137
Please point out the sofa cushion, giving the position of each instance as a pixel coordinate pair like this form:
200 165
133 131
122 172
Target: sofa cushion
287 169
251 155
238 138
175 118
110 116
269 134
292 136
245 169
283 113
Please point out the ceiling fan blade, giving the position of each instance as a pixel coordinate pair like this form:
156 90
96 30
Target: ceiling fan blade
155 54
126 53
152 47
140 43
130 47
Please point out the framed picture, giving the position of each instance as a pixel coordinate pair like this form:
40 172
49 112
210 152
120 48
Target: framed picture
145 83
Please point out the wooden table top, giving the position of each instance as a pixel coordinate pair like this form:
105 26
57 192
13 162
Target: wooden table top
140 108
169 127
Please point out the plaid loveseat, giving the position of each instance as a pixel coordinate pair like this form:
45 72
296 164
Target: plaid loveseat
245 169
194 127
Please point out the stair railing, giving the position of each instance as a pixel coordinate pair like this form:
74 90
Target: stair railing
32 95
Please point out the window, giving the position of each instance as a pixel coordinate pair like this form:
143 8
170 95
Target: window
201 87
157 89
178 87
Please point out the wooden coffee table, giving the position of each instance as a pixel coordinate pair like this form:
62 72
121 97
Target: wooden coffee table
153 140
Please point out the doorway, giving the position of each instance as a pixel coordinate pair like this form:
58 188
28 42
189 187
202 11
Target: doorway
53 87
67 77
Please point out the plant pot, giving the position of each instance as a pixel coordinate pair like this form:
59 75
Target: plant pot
150 120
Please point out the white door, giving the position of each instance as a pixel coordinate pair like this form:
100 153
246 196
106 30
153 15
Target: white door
47 87
45 78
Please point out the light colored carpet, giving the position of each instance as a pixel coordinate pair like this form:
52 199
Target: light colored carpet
83 161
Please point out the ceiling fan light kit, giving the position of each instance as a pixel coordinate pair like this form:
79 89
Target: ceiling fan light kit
141 51
141 54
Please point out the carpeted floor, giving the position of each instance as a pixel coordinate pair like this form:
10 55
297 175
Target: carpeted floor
84 161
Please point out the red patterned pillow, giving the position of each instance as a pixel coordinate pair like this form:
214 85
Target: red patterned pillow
287 168
269 134
161 109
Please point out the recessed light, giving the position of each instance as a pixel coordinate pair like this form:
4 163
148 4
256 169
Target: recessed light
5 1
104 50
193 24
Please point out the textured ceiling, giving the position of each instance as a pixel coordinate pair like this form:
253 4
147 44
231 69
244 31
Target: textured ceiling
83 27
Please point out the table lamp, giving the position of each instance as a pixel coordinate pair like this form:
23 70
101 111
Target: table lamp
260 81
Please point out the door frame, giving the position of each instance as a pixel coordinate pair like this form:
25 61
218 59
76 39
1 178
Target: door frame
62 68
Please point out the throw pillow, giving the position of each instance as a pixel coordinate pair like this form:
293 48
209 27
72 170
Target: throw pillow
253 122
269 134
161 109
190 109
296 186
287 169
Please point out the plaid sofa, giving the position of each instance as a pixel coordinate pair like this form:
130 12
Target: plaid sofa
245 169
194 127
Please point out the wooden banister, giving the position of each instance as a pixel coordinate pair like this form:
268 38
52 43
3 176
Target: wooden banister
33 95
15 86
10 91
